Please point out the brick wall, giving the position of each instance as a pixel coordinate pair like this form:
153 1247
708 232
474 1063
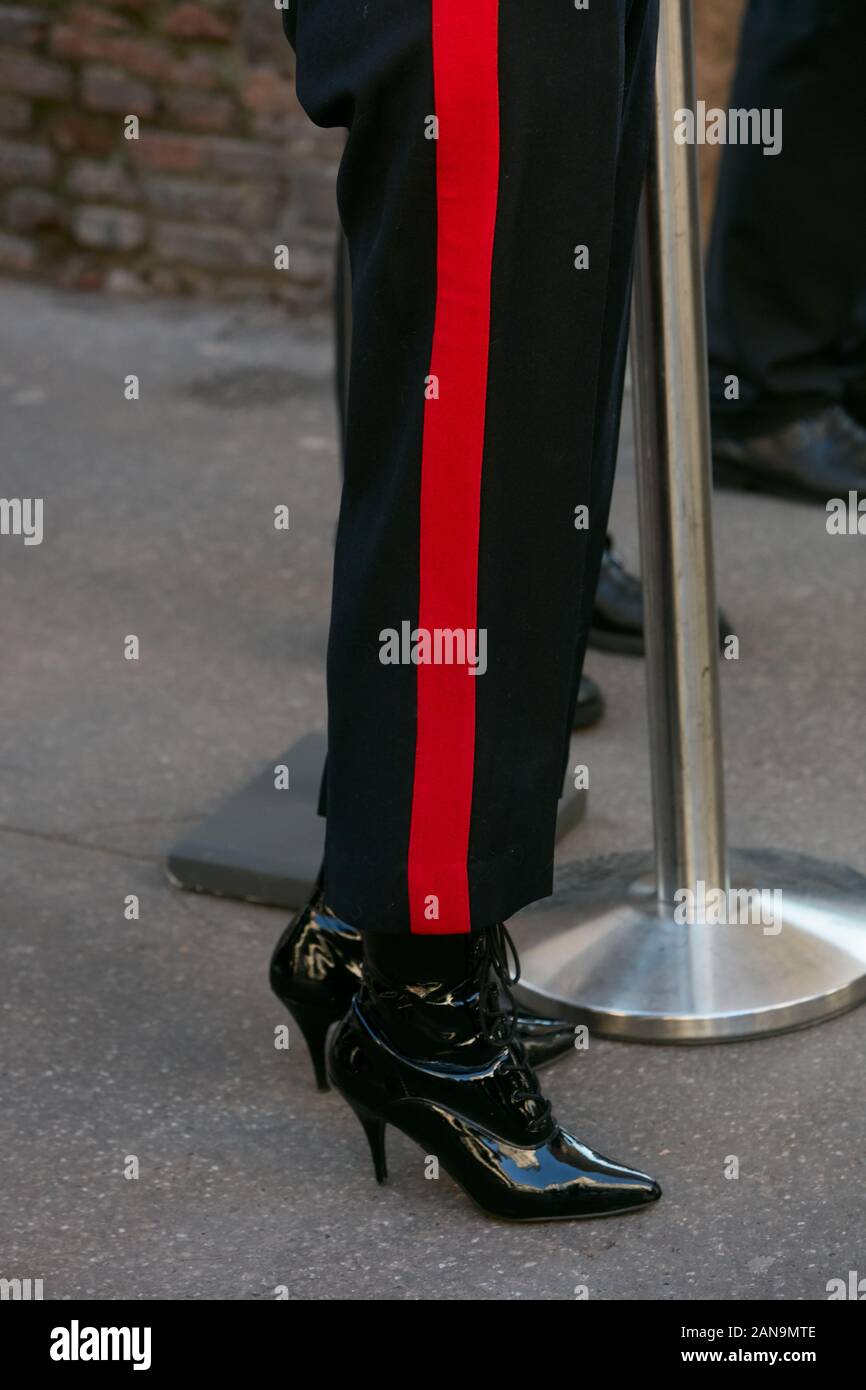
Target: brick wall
226 167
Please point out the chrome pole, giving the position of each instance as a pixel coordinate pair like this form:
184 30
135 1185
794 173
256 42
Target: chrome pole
672 429
608 949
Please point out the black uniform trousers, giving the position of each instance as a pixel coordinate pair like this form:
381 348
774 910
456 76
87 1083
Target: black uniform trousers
786 281
488 191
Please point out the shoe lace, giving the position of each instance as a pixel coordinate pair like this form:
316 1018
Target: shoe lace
499 1023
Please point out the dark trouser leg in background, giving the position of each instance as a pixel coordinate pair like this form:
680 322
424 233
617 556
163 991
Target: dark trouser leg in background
786 280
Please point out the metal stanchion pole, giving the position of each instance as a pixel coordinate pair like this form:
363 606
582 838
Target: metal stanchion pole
777 940
672 431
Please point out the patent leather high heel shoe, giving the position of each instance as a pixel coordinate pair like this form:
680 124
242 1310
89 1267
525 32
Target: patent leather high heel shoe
316 971
444 1066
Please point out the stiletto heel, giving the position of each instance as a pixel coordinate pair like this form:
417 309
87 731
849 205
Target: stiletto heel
374 1128
314 1024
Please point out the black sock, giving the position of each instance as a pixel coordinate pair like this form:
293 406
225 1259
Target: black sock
408 959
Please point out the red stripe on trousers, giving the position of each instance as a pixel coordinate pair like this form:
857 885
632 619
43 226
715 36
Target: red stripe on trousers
466 84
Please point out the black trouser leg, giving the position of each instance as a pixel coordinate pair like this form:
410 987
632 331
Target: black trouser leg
640 50
786 282
488 146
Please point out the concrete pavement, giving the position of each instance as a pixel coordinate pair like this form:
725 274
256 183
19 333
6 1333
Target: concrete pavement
153 1039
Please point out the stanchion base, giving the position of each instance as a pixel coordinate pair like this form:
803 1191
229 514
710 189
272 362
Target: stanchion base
599 953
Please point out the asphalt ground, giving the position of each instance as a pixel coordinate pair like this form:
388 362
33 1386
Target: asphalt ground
152 1039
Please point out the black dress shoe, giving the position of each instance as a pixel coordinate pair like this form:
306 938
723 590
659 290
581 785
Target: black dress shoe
617 619
590 704
814 459
316 970
439 1060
